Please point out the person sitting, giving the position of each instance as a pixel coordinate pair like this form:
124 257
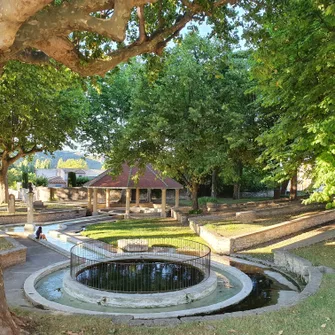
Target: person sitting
39 234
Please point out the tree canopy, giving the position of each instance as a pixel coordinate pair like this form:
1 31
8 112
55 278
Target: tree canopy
72 163
40 110
93 36
294 65
186 113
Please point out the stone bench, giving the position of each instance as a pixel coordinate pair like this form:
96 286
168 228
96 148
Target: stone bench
133 245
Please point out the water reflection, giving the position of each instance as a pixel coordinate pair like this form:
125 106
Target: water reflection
140 276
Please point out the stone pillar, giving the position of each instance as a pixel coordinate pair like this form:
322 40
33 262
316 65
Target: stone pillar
95 202
128 195
149 195
89 199
11 204
137 197
29 226
176 198
163 213
107 197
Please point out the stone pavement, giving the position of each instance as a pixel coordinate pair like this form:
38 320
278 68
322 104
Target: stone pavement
38 257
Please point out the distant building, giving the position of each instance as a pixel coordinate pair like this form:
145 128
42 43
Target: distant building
60 177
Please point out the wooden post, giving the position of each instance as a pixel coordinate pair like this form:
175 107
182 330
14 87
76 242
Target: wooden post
89 199
107 197
163 213
176 198
137 197
95 202
149 195
128 195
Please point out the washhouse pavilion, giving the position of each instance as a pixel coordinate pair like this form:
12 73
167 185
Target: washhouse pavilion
129 179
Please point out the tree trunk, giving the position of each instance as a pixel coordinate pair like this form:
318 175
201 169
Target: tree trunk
7 324
3 184
276 192
284 187
194 196
294 187
237 191
237 185
214 189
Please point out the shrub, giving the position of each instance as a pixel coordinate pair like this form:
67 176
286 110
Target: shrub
195 211
41 181
330 205
82 180
203 200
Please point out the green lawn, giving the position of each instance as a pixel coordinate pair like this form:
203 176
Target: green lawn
322 253
4 244
146 228
229 228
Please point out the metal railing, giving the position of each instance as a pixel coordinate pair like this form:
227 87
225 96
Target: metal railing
140 265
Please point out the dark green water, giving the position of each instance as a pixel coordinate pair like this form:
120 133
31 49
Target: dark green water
141 277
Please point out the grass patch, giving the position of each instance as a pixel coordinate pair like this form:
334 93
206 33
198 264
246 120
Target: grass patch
4 244
322 253
110 232
229 228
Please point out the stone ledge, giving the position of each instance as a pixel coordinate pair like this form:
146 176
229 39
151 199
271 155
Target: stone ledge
225 245
12 256
65 214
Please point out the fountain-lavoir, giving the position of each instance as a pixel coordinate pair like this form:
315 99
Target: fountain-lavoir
145 278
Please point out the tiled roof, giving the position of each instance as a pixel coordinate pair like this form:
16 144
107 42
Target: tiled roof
149 179
56 180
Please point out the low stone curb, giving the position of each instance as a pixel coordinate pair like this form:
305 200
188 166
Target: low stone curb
15 255
230 245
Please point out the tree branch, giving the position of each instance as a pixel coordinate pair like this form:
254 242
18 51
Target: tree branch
140 14
62 50
12 15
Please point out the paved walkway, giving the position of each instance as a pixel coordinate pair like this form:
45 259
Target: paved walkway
38 257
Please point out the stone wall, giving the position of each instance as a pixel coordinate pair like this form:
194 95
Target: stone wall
13 256
213 207
56 215
80 194
259 194
230 245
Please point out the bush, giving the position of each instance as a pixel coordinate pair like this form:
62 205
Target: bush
330 205
41 181
195 211
203 200
82 180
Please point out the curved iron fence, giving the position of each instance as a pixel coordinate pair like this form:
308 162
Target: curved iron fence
140 265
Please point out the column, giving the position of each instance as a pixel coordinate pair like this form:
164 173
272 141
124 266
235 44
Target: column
149 195
128 195
176 198
107 192
163 214
29 226
89 199
137 197
95 202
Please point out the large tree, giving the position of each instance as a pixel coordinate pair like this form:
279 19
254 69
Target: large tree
40 109
94 36
294 65
188 115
